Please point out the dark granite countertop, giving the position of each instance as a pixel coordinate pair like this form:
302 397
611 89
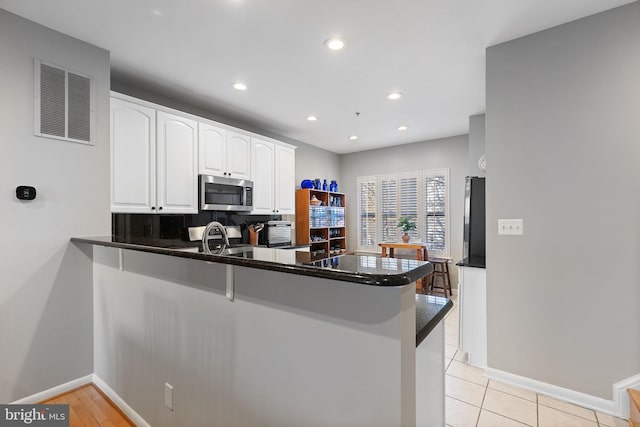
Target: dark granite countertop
430 310
473 261
366 270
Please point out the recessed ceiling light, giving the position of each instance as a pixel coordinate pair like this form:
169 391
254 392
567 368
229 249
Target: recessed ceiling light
312 118
239 86
335 43
403 127
353 137
156 12
394 95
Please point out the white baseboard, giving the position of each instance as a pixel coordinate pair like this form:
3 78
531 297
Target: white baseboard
79 382
54 391
620 396
120 403
615 407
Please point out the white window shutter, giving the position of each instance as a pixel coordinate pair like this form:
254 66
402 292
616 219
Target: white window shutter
389 208
409 205
436 209
367 208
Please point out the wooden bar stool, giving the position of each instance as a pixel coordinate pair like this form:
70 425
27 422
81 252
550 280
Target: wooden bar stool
441 270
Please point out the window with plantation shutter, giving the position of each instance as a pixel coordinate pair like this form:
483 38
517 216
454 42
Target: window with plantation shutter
367 228
421 196
435 185
409 194
389 207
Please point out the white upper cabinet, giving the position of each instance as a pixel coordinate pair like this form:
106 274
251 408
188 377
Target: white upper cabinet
177 153
238 155
262 175
285 177
157 154
133 157
273 175
223 152
153 159
212 142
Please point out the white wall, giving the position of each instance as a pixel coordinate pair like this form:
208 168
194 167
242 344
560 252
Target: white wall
46 282
449 153
563 149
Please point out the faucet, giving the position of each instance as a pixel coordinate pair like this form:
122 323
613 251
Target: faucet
205 236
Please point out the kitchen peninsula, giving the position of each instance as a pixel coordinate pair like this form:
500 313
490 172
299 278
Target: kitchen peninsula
260 336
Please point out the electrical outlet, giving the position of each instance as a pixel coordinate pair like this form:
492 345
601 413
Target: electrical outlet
510 227
168 395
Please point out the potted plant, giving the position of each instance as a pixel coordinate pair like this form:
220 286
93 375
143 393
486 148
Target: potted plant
406 224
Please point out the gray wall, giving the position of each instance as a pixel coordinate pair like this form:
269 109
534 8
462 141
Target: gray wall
562 120
286 352
476 144
449 153
311 162
46 319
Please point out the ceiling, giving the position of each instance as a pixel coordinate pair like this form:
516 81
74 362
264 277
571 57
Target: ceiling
194 50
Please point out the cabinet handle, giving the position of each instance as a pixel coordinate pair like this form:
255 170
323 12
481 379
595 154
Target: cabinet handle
153 208
160 208
229 173
225 174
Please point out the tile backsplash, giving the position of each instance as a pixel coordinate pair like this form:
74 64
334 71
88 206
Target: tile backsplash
174 227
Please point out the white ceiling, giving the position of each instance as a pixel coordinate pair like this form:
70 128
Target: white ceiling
432 51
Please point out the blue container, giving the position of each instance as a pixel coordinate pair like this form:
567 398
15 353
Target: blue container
306 183
333 187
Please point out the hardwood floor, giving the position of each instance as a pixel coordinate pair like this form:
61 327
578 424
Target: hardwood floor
89 407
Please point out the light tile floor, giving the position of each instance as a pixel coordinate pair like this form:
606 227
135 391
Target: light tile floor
473 400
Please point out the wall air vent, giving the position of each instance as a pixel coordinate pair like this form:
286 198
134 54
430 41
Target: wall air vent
64 104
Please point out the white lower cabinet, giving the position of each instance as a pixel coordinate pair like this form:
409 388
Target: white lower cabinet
273 176
153 159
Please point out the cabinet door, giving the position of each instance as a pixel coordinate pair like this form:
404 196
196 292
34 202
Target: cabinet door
262 175
285 176
238 155
133 157
212 149
177 164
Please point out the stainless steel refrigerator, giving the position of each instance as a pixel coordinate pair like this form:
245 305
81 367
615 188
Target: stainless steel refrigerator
473 249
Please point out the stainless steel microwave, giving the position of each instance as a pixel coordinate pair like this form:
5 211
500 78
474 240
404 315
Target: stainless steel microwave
225 194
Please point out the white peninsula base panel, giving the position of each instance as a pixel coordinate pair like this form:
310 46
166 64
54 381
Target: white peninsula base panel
289 350
430 379
473 314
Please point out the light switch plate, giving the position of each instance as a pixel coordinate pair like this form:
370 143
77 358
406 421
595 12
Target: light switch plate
510 227
168 395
